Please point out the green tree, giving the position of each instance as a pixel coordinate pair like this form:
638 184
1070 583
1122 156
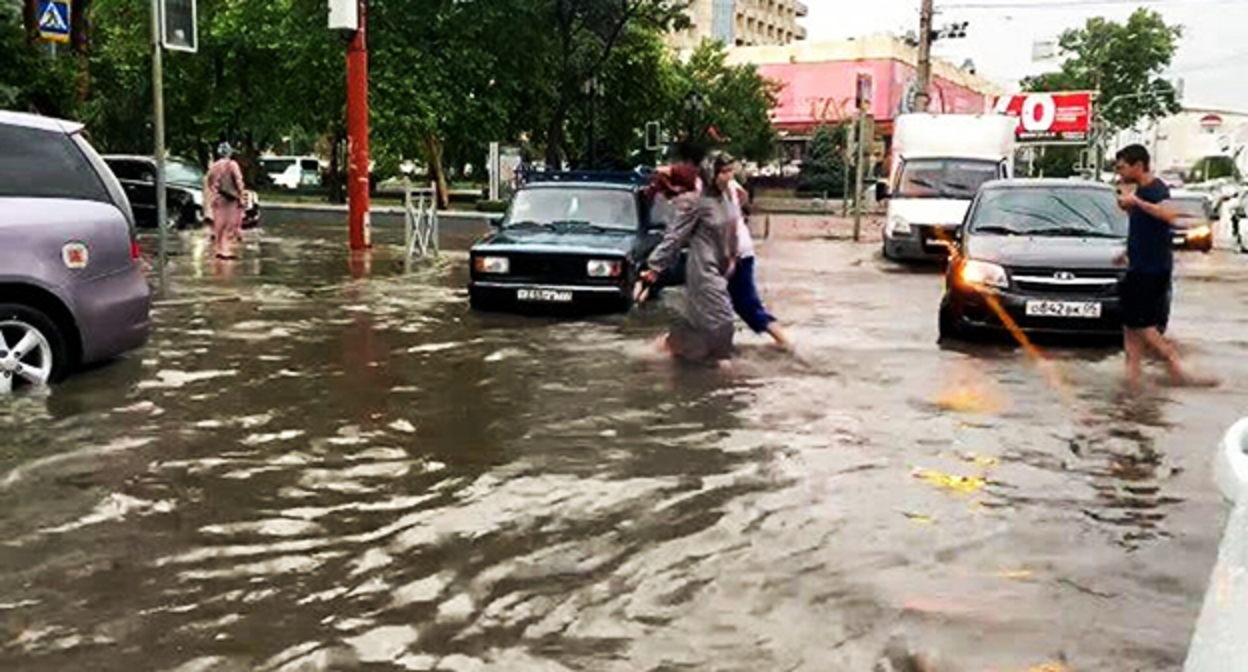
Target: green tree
824 166
719 104
582 37
1123 62
31 79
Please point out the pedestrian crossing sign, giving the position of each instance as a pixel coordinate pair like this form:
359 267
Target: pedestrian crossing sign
54 20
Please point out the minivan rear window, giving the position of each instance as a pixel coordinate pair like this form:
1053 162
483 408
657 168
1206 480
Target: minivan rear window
44 164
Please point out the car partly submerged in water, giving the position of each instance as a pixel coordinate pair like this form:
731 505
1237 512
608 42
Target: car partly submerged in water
571 240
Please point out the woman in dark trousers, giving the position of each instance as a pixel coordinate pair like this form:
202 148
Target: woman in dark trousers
741 286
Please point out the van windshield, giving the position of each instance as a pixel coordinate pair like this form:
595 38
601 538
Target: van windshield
945 178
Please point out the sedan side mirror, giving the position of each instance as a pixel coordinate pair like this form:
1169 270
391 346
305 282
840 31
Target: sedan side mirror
496 222
881 191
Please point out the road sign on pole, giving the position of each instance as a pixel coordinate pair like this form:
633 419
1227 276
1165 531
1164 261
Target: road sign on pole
179 31
54 20
653 136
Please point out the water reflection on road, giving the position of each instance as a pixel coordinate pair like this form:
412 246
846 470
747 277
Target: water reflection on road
320 465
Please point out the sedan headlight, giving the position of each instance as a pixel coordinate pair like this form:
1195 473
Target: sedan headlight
198 197
898 226
984 274
1202 231
604 268
493 265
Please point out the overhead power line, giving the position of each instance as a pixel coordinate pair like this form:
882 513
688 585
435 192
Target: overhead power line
1067 4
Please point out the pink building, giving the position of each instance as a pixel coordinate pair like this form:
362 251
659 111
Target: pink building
820 83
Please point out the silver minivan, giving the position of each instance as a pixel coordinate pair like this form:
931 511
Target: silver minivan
72 290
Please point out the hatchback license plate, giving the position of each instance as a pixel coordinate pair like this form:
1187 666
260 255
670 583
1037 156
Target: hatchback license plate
1079 309
544 295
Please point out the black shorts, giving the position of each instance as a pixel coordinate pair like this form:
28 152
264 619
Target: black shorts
1145 300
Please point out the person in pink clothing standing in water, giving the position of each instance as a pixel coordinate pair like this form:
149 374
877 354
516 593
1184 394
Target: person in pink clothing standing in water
224 189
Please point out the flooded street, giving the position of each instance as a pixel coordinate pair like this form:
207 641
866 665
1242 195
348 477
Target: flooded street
316 465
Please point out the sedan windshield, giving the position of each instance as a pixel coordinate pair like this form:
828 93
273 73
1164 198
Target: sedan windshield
181 172
1049 211
1193 208
596 208
944 178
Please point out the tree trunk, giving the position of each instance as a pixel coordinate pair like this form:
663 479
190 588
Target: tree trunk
433 157
337 193
554 137
80 40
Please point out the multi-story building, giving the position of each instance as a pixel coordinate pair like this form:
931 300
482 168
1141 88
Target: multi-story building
742 23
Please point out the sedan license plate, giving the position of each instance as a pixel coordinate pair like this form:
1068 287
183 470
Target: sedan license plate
1078 309
544 295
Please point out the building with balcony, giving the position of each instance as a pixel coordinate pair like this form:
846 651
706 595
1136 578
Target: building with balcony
742 23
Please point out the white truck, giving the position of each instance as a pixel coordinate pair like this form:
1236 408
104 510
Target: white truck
939 162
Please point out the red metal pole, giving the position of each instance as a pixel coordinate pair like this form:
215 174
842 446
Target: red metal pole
358 221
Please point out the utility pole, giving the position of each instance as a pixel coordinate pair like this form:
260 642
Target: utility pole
923 78
859 170
158 129
358 221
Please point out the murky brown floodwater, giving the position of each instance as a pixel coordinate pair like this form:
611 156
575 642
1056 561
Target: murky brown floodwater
340 473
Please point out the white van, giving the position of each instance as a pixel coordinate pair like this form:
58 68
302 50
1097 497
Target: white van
939 162
292 172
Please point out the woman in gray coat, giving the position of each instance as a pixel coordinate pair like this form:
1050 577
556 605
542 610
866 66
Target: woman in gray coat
704 222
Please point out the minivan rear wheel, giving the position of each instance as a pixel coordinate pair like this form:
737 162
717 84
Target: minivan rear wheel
32 348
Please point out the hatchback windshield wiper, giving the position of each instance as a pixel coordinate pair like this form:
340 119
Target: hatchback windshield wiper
1073 231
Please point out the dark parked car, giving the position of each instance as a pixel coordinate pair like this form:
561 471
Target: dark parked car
184 191
1042 251
72 289
1196 217
568 239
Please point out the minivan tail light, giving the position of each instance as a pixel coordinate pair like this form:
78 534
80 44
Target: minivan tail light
136 252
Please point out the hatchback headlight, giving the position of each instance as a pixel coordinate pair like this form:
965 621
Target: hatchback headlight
493 265
898 226
604 268
984 274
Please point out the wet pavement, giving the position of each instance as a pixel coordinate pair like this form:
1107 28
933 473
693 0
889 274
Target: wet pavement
319 465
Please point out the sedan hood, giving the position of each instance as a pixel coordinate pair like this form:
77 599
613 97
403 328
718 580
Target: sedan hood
929 211
1046 251
509 240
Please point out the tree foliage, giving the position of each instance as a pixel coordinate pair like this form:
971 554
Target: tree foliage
824 167
719 104
446 77
1123 62
31 79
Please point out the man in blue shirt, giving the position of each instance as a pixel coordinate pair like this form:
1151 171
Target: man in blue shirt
1145 291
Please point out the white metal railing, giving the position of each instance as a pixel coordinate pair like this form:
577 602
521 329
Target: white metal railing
1220 643
420 221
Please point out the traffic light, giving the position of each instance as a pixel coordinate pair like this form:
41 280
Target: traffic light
654 138
179 31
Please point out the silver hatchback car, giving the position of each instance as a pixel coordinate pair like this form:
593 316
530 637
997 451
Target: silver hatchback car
72 289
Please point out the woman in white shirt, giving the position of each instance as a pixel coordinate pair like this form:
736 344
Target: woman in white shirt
741 287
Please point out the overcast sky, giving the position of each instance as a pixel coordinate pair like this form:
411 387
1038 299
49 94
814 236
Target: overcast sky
1212 58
